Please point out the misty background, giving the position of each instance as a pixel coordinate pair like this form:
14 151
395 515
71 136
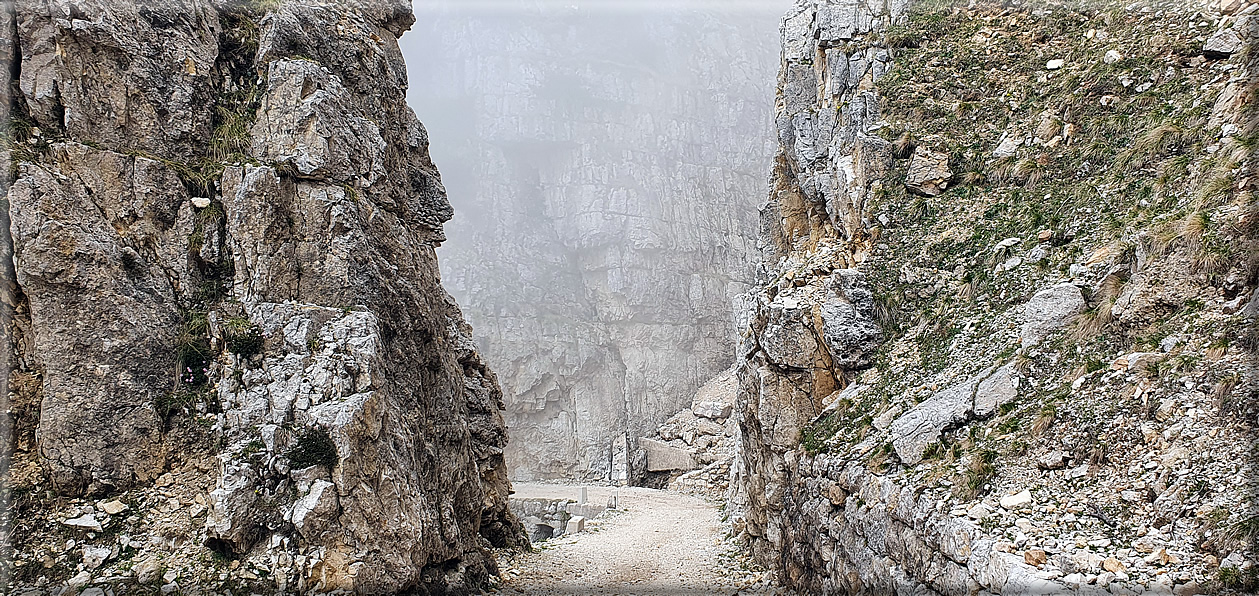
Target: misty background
605 161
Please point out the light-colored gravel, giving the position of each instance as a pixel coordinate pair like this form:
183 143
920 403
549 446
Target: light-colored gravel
659 542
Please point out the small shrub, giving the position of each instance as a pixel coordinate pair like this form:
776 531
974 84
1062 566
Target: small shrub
813 438
979 473
1233 578
252 448
183 400
932 451
314 448
193 353
1045 419
169 404
243 337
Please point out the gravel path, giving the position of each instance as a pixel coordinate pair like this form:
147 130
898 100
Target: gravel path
658 543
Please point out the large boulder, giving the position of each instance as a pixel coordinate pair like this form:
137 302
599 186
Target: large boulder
849 330
1049 310
929 172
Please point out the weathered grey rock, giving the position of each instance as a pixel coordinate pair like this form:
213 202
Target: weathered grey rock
312 513
87 521
147 570
120 79
96 231
844 20
326 333
997 389
1016 501
848 328
923 423
1223 43
95 556
1054 460
662 457
790 338
929 172
824 522
711 409
114 507
1049 310
308 120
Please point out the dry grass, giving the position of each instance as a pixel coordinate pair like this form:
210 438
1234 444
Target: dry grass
904 145
1043 421
1155 142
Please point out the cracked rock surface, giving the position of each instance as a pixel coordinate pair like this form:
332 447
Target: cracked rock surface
1036 381
234 366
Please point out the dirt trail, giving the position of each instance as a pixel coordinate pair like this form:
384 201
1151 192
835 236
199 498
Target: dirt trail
660 542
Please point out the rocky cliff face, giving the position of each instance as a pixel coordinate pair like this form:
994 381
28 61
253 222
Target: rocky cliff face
228 331
606 191
1007 343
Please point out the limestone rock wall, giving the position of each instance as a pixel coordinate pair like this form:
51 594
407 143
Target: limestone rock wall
224 220
605 164
958 375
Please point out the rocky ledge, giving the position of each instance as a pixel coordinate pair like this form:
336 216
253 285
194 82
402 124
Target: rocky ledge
1008 341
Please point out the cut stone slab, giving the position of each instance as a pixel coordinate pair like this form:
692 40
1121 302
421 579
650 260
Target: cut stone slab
662 457
588 510
576 524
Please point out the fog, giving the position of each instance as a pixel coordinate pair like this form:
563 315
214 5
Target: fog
605 161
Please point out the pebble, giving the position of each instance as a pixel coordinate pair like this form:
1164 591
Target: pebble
1113 565
1055 64
1035 557
1016 501
979 512
114 507
84 522
79 580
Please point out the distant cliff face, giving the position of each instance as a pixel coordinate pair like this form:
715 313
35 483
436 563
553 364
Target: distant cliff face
229 332
605 168
1008 339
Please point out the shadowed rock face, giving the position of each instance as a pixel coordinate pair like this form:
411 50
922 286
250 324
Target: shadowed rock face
606 191
234 212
